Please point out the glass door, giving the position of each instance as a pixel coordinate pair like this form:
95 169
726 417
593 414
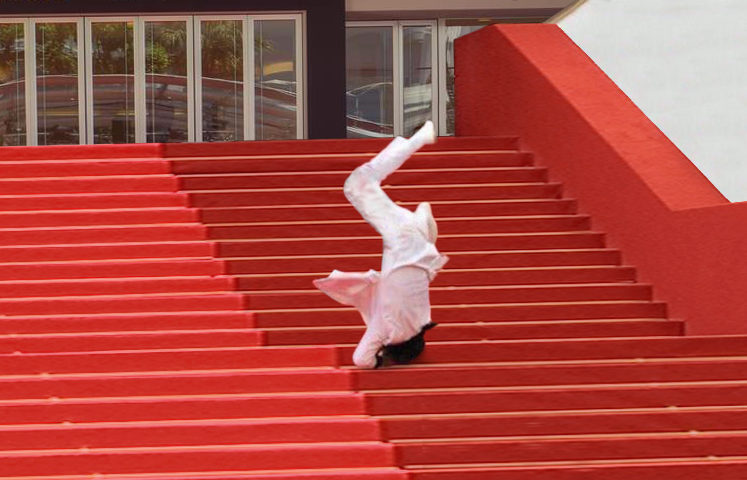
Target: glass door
418 78
13 64
112 95
59 86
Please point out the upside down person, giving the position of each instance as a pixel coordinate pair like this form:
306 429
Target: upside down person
394 304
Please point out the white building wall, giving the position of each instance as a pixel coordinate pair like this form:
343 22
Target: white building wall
684 63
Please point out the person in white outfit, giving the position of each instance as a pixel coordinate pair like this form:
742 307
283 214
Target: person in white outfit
395 303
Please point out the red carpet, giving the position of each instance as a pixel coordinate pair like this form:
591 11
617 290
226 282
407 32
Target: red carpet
160 325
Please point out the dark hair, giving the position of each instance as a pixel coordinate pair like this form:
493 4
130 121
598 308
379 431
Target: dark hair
405 352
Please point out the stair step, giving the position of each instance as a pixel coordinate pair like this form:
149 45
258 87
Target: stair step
486 331
144 340
192 433
168 360
266 381
83 168
351 228
142 321
471 313
115 286
446 243
589 422
182 407
345 162
195 459
105 251
97 234
461 277
93 200
708 467
426 176
93 184
420 193
112 269
457 260
121 304
465 295
62 218
311 213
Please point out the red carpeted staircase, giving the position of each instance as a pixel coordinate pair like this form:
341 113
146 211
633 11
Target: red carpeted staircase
158 321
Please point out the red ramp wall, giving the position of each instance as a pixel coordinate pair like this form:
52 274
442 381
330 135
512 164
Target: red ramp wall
532 81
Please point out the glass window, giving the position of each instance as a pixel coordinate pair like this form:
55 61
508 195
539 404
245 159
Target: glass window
275 86
12 85
417 77
370 82
222 80
57 95
113 71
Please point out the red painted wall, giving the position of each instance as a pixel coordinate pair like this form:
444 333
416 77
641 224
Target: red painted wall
532 81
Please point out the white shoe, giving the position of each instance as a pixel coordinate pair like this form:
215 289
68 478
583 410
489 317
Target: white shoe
426 135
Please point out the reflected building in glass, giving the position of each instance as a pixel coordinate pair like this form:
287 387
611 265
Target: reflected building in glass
281 70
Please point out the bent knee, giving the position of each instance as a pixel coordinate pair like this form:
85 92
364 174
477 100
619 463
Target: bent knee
357 182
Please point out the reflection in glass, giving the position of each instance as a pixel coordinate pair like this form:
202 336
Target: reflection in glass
370 78
12 85
113 82
166 89
275 79
452 33
417 77
57 95
222 81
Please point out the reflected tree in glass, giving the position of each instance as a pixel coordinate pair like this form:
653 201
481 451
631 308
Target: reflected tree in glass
275 86
452 33
417 78
57 83
370 78
222 80
166 87
12 85
113 82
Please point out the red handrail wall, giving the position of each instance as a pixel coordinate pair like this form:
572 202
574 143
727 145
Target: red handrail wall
684 237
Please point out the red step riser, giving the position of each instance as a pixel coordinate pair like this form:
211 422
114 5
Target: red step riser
335 195
182 408
121 323
82 168
463 278
132 385
33 219
123 341
488 332
689 370
116 234
570 293
495 259
360 228
197 460
61 253
41 271
168 360
58 186
563 424
74 202
721 470
135 304
648 396
337 179
207 433
372 244
470 313
649 447
368 473
124 286
346 163
347 212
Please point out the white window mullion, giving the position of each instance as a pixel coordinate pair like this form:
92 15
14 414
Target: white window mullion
300 98
197 101
82 90
249 100
139 79
88 81
435 76
398 74
29 58
443 94
191 78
